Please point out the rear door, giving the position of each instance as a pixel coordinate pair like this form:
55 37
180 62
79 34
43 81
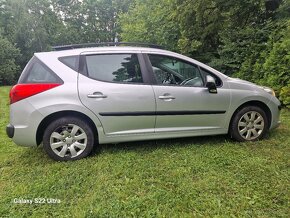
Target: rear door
116 88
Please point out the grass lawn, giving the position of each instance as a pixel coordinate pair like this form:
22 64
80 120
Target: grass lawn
192 177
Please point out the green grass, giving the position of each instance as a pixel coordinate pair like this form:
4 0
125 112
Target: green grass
192 177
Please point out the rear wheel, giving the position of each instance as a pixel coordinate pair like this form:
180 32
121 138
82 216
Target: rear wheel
249 124
68 138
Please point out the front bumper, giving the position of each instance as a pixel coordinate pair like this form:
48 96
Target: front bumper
10 130
278 122
276 119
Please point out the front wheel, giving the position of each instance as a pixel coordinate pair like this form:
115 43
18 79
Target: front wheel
249 124
68 138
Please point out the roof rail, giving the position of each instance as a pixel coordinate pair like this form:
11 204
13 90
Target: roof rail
87 45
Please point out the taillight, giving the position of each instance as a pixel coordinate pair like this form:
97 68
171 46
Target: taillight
22 91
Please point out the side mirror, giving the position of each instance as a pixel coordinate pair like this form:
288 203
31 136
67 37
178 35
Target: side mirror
210 84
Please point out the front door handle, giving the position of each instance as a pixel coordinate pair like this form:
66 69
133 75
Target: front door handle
97 95
166 97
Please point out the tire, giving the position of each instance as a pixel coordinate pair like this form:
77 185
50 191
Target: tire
68 138
249 124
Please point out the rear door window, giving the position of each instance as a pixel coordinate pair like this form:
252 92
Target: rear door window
119 68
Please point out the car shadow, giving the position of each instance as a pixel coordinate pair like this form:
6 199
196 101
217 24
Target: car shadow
151 145
37 156
147 146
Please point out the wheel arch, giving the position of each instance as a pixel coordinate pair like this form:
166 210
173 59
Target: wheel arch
259 104
48 119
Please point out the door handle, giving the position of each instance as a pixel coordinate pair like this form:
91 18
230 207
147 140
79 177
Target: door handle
97 95
166 97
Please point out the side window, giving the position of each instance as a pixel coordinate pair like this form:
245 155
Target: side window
204 73
37 72
173 71
114 68
70 61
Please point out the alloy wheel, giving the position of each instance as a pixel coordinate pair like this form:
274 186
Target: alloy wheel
68 141
251 125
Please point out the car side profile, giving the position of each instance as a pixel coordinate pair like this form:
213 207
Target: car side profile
73 99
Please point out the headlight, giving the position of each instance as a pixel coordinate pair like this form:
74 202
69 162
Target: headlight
269 90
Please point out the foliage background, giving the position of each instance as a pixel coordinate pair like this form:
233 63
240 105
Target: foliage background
248 39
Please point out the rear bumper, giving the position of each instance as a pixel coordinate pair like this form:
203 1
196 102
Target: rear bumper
10 130
23 124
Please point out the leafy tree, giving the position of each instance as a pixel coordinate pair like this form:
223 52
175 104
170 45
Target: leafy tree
151 21
236 37
8 67
31 25
36 25
276 67
90 21
240 49
267 60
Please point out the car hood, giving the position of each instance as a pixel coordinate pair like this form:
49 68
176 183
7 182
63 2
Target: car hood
237 80
236 83
243 82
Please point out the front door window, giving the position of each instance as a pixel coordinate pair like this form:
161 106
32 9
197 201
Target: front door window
173 71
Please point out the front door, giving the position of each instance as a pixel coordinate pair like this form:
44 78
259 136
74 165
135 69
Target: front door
183 102
113 87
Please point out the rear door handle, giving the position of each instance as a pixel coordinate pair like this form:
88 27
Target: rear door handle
166 97
97 95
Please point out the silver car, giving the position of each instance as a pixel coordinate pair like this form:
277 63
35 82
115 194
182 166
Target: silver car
73 99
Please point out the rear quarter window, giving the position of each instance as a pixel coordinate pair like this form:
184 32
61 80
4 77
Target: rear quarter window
70 61
37 72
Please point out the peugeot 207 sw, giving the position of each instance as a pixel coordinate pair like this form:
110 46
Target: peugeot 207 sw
75 98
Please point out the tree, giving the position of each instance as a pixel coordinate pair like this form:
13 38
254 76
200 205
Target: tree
235 37
90 21
31 25
36 25
151 21
8 68
276 66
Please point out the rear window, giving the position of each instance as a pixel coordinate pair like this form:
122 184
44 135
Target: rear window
37 72
124 68
70 61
